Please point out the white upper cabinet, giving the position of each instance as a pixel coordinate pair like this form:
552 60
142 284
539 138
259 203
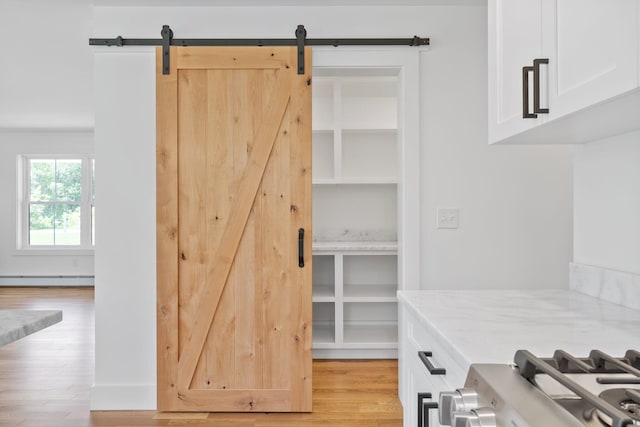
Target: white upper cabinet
515 38
592 50
583 75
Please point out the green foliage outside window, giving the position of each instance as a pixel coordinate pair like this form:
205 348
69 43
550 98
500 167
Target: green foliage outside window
55 194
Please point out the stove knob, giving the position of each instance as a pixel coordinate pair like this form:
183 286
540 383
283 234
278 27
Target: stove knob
464 419
461 400
481 417
446 404
486 417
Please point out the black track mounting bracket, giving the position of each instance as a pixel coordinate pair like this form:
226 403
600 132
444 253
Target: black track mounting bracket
167 36
301 36
299 42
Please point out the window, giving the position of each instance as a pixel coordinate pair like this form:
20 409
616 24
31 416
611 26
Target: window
58 202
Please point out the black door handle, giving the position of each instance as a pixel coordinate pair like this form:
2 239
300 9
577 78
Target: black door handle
423 409
301 247
536 85
424 356
525 94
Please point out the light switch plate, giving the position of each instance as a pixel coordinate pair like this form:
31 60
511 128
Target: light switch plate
447 217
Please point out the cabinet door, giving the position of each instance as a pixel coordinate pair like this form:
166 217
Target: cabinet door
420 382
592 50
515 39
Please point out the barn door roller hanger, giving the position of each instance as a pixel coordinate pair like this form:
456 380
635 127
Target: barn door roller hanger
300 42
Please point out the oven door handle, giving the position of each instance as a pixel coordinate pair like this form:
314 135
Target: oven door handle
424 357
423 409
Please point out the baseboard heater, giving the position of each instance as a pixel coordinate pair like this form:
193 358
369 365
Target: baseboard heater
47 280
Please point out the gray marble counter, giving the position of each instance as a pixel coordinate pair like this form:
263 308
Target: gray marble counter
16 324
488 326
340 246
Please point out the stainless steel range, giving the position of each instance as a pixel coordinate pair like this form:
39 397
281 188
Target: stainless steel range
599 390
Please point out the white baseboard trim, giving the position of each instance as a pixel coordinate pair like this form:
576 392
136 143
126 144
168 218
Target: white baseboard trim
47 281
123 398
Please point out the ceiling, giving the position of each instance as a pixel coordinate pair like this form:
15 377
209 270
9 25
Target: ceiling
275 3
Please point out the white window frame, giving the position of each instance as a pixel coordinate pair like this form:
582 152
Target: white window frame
87 201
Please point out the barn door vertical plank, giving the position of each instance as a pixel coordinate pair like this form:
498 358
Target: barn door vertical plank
167 232
219 353
192 168
300 216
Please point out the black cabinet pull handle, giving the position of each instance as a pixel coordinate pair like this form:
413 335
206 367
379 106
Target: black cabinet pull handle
423 409
536 85
525 94
424 356
301 247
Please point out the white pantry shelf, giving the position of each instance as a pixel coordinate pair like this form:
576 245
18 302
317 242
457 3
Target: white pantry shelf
370 293
371 334
323 293
359 246
355 181
355 198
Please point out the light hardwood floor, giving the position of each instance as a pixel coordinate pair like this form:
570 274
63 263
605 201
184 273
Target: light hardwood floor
45 379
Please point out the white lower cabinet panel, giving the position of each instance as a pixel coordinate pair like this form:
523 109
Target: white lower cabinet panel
421 382
414 377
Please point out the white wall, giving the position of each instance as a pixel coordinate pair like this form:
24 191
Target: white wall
125 291
45 79
607 203
14 262
46 107
515 202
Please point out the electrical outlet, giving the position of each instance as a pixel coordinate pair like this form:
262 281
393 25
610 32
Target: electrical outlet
447 217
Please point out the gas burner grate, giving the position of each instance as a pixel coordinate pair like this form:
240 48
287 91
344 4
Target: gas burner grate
598 362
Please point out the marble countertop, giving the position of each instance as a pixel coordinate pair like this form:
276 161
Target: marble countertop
488 326
16 324
340 246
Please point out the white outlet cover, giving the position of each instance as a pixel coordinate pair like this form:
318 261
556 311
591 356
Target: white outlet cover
447 217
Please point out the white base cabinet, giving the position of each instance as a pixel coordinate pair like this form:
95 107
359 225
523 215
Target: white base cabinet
591 84
413 376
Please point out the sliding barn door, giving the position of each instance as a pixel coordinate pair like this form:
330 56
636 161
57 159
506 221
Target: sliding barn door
233 193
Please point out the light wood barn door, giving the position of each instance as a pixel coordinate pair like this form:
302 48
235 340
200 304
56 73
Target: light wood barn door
233 190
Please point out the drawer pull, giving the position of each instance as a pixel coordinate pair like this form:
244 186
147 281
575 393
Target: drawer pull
423 409
424 356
